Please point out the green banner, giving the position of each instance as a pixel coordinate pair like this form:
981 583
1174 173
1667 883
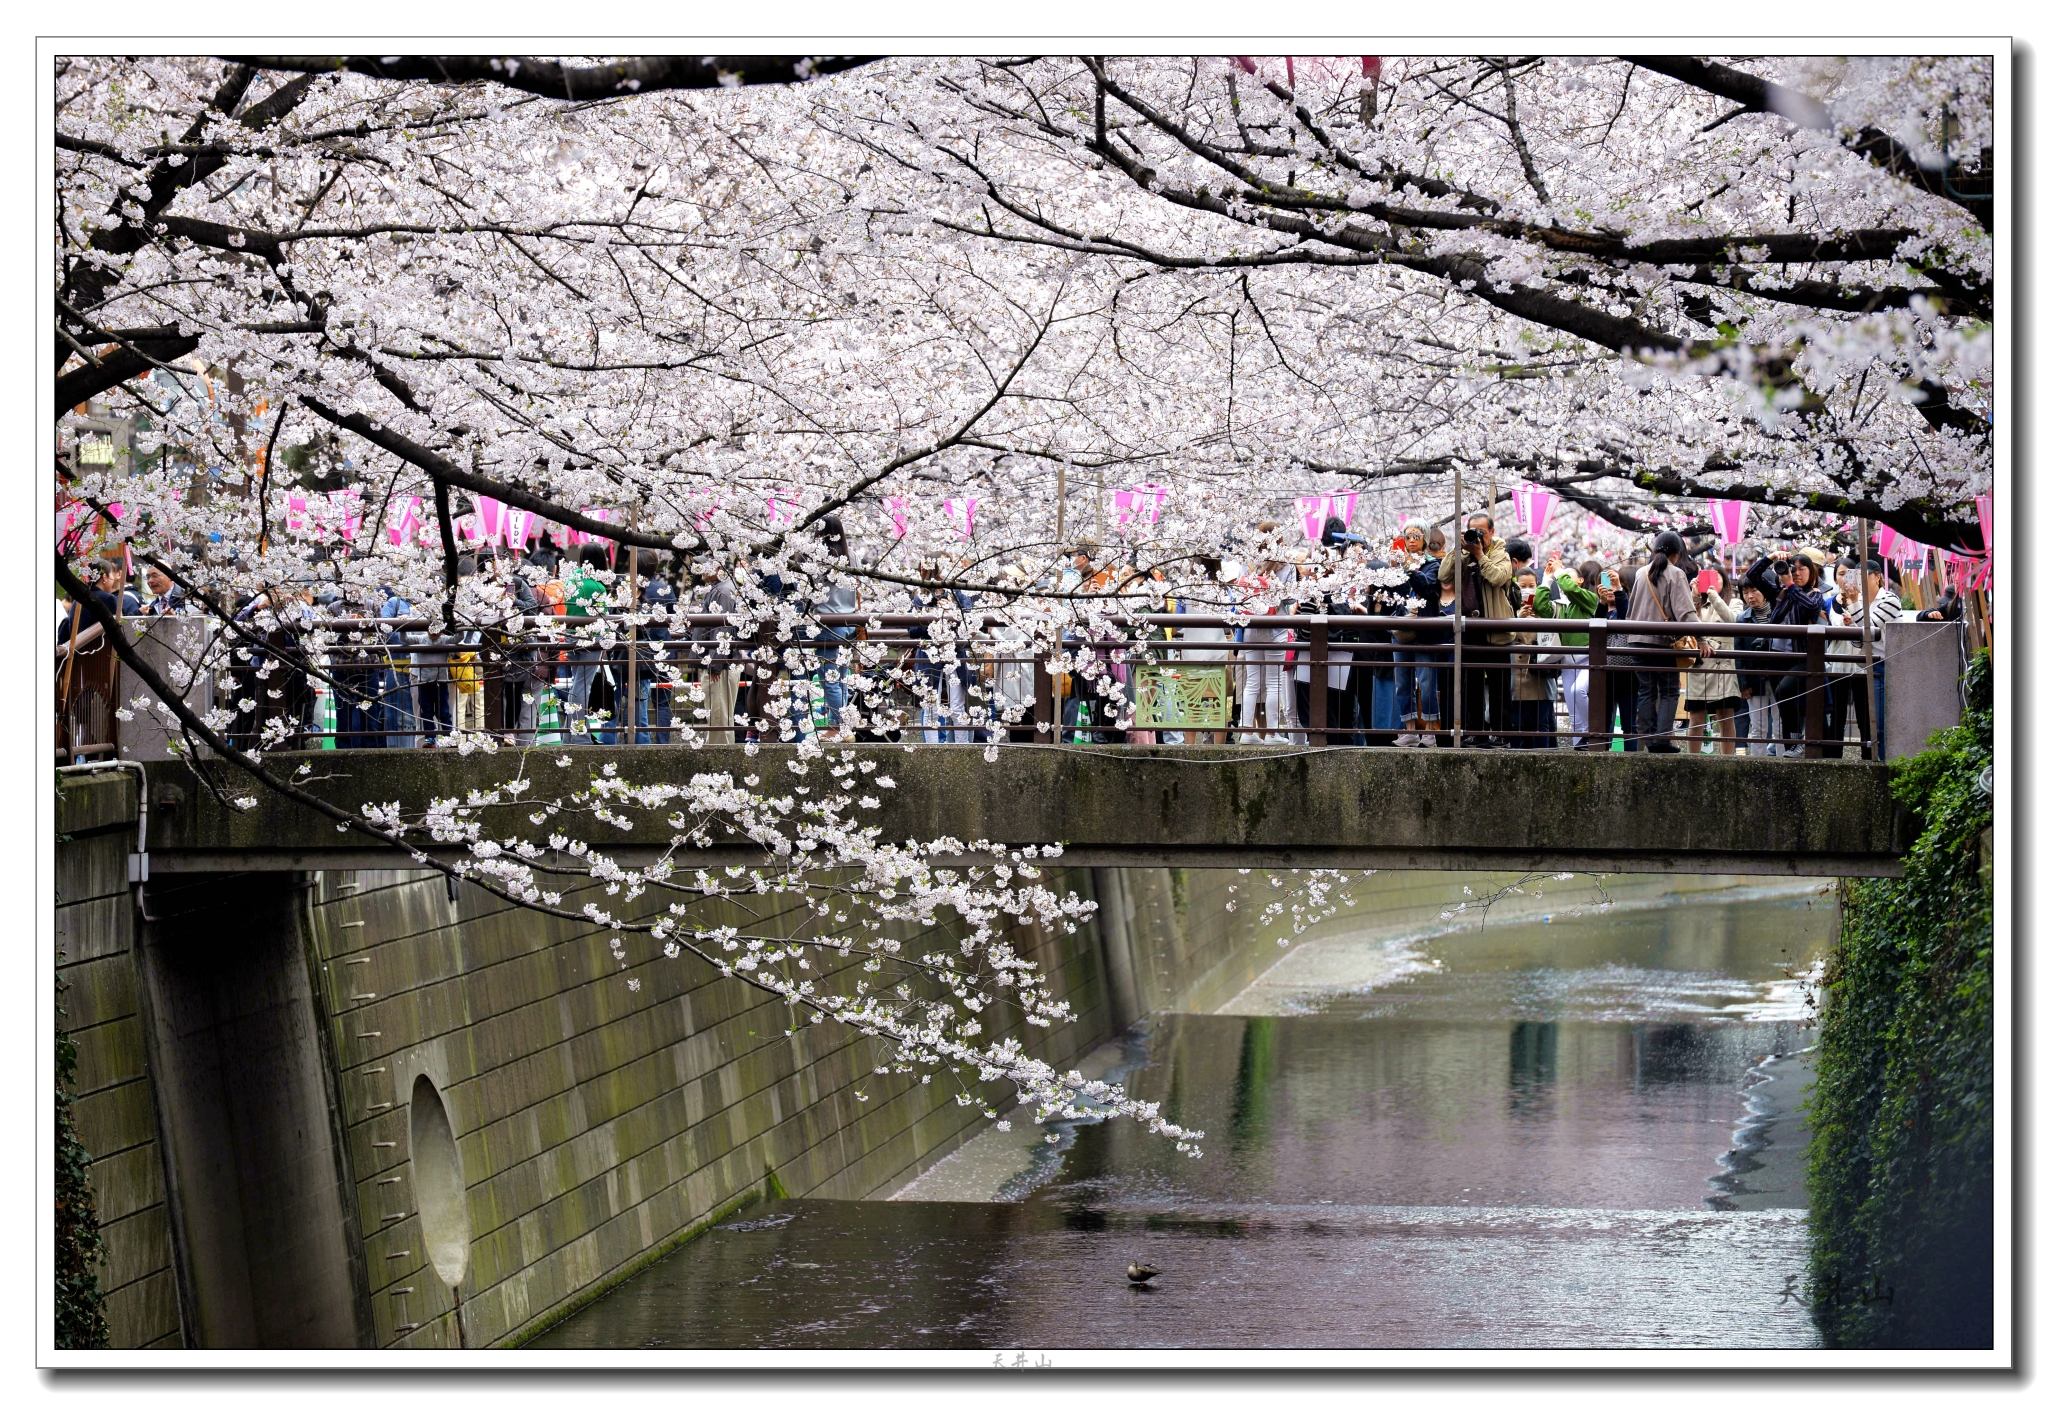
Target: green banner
1180 696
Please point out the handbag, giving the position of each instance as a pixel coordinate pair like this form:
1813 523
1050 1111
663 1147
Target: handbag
1686 645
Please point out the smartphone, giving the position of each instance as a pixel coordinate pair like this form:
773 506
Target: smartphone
1607 579
1709 579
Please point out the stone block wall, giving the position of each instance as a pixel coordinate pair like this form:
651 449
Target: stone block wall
597 1126
116 1108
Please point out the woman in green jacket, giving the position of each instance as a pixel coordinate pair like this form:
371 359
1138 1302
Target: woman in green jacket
1566 597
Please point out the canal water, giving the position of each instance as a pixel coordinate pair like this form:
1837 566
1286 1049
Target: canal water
1572 1131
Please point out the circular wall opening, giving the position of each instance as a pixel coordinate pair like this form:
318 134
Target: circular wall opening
437 1185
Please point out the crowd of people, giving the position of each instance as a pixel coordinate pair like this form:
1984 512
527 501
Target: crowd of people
1246 679
1513 687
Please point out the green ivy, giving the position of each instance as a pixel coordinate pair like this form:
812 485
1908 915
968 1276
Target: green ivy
81 1308
1899 1176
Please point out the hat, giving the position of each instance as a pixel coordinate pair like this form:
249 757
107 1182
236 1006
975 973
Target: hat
1814 554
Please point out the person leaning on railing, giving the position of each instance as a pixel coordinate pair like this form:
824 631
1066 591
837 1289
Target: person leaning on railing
1487 575
1663 594
1799 603
1712 690
1373 684
1614 586
1887 607
941 668
1565 596
110 592
1754 672
716 654
165 598
1532 713
1267 684
465 669
522 672
655 705
1848 689
1418 671
583 598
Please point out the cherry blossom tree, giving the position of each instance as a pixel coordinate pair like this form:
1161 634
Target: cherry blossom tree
1595 275
705 308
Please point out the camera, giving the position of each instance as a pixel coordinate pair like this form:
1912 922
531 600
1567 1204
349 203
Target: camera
1471 536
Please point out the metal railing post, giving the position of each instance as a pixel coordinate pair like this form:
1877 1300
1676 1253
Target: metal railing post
1866 720
631 738
1816 687
1599 721
1318 682
1458 679
1457 608
1045 715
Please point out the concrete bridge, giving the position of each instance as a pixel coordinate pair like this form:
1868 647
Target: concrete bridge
333 1101
1149 807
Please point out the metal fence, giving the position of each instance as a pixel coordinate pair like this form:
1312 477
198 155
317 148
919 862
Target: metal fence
1309 680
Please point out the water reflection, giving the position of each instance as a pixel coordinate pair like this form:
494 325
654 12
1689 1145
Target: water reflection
1522 1136
1431 1112
1532 1065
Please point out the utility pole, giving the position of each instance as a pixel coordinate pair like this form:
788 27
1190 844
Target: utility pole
633 639
1457 608
1864 593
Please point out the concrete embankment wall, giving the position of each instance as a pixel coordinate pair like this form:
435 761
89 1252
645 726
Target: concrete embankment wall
116 1108
396 1115
596 1125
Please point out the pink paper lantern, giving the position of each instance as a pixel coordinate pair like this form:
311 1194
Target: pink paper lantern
703 505
1730 516
345 508
1157 494
1533 506
403 521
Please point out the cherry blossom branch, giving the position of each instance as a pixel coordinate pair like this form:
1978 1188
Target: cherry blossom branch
548 79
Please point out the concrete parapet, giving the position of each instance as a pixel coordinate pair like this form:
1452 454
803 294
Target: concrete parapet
1157 807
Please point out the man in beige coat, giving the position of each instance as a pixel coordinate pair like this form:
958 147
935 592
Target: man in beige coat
1488 574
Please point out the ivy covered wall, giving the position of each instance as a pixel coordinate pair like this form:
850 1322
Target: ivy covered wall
1900 1175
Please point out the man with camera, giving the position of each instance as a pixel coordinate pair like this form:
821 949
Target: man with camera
1484 594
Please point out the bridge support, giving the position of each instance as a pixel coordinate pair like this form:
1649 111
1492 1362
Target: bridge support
253 1150
1113 921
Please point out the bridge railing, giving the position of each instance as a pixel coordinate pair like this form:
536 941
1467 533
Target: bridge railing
1312 680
